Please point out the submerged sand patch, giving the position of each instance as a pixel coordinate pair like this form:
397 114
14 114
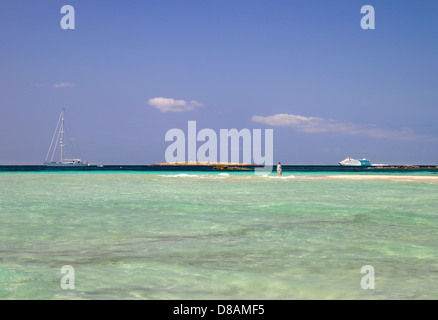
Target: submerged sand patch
383 177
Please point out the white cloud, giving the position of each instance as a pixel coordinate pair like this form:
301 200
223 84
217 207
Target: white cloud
172 105
63 85
318 124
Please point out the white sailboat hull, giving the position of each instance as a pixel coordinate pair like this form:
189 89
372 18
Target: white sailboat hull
64 164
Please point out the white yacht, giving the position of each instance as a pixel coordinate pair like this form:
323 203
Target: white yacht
355 163
59 141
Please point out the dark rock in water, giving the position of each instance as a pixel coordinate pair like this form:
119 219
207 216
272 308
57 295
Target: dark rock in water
222 167
409 167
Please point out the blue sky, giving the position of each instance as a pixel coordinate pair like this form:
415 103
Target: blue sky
303 68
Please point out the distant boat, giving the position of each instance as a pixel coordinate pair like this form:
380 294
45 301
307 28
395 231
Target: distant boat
355 163
59 134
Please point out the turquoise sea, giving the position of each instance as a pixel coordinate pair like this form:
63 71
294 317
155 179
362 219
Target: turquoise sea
212 235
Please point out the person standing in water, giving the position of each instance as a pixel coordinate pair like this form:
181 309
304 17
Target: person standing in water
279 170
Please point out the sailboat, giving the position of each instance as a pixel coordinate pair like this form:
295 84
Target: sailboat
59 141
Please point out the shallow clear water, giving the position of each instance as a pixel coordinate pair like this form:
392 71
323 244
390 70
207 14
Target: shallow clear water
178 235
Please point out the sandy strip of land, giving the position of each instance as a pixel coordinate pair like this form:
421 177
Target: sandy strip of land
382 177
204 163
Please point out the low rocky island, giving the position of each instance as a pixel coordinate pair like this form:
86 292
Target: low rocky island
215 165
407 167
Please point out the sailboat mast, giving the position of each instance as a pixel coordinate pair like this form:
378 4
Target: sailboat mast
52 150
61 140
